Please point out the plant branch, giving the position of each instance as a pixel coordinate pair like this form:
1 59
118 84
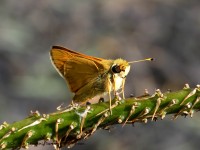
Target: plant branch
70 125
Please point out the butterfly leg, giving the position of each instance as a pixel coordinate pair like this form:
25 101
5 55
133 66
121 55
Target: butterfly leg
109 94
114 87
123 83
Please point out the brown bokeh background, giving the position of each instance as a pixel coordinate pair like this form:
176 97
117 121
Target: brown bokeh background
167 30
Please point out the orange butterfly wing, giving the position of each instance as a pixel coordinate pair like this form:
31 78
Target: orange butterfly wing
78 69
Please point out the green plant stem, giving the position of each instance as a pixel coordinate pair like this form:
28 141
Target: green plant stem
64 127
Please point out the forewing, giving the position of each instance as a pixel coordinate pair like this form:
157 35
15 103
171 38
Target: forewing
78 69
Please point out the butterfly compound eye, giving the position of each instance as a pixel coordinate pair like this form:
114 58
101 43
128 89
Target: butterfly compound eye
116 69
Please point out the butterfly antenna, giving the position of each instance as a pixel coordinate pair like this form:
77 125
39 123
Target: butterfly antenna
147 59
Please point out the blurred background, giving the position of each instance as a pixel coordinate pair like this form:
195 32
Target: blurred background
168 31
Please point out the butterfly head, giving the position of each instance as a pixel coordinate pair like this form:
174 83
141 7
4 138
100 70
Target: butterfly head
120 67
